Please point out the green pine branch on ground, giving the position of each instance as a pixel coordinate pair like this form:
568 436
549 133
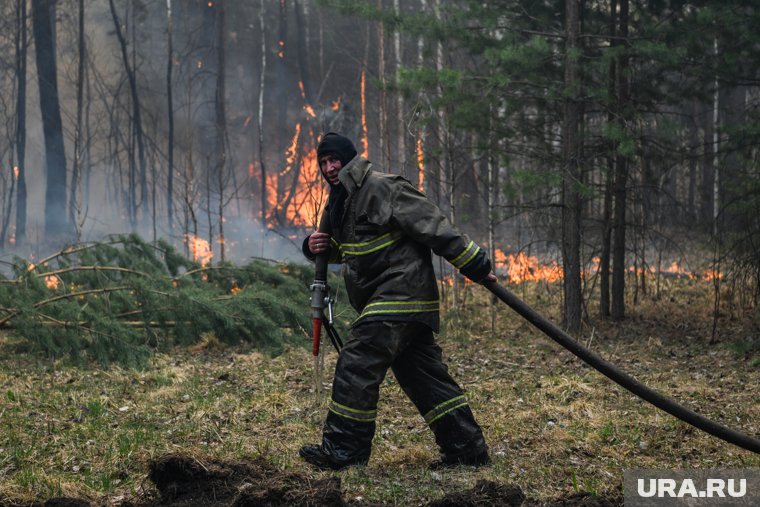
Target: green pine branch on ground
120 300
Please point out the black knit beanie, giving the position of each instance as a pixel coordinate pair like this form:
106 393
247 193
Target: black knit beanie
339 145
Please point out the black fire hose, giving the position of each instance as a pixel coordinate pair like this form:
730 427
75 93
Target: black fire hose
614 373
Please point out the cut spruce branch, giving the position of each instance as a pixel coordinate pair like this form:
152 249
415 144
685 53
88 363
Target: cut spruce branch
121 299
92 268
44 302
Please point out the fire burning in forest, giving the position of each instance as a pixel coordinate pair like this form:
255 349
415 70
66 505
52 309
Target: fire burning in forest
52 282
420 164
200 250
364 143
306 107
521 268
299 201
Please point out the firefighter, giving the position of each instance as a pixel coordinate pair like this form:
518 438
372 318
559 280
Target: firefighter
383 231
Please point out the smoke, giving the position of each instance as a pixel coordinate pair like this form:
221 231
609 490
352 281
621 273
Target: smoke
105 184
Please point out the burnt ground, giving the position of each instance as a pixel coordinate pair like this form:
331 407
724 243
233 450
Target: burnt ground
186 481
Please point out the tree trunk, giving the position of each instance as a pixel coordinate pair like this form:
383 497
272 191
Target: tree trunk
400 123
693 126
707 181
262 82
493 195
731 183
281 87
605 254
21 51
382 119
303 54
621 175
138 130
221 123
715 141
75 207
571 174
170 110
43 19
422 180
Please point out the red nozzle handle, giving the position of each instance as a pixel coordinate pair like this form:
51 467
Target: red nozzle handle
317 336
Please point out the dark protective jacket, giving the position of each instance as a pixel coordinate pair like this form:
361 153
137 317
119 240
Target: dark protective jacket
388 231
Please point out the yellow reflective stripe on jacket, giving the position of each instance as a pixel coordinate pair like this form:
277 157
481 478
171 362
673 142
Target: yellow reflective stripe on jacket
352 413
336 255
470 251
373 245
393 307
444 408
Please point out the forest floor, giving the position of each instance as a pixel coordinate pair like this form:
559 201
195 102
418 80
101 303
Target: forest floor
221 425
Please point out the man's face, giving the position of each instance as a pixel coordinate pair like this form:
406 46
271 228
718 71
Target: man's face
330 165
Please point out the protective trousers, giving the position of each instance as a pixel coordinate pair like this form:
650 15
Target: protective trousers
409 349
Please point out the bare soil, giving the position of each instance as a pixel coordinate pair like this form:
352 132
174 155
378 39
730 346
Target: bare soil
187 481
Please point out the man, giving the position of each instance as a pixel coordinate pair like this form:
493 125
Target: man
383 230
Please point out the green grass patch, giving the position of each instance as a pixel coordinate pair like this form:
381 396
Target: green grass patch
554 426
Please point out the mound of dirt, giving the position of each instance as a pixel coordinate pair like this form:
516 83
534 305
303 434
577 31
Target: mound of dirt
184 481
187 481
484 494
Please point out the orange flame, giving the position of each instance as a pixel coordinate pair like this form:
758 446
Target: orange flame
15 172
420 164
200 250
52 282
335 106
308 198
365 143
292 151
523 268
307 107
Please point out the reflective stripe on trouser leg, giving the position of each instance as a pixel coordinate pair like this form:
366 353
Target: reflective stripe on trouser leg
362 365
424 377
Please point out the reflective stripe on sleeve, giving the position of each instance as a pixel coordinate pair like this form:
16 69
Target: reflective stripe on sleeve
352 413
444 408
466 255
373 245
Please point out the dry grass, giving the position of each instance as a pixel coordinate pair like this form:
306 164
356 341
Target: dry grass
554 425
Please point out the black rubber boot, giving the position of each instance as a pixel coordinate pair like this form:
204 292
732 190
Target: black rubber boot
316 456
